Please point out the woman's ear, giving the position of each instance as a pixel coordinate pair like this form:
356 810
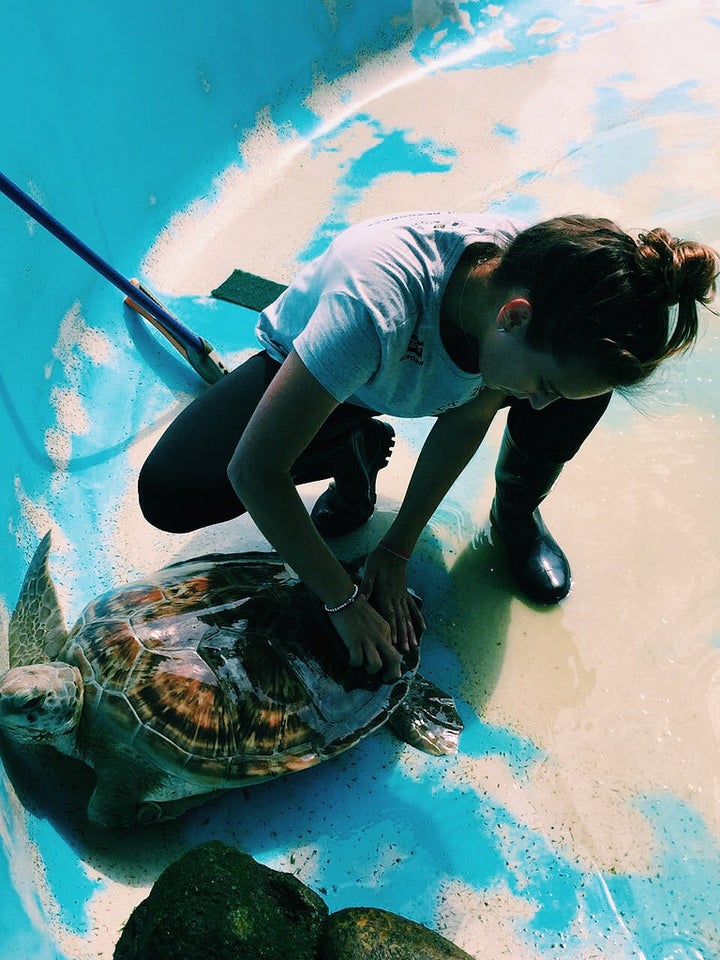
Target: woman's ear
514 314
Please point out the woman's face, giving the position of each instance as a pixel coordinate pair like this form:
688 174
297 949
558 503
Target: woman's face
508 363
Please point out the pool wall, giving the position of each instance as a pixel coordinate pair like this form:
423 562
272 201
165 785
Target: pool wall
114 117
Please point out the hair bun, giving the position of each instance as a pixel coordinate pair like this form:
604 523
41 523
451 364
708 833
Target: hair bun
677 269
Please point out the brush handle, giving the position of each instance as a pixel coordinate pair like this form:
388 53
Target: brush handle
196 351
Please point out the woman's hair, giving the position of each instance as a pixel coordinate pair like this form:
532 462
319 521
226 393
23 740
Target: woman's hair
600 296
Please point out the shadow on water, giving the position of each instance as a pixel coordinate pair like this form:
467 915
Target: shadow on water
492 609
286 811
483 586
56 788
467 610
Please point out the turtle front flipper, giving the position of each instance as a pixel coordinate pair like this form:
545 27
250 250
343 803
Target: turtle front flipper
121 799
119 795
427 719
37 629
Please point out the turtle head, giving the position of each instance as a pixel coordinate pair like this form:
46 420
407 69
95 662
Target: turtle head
41 702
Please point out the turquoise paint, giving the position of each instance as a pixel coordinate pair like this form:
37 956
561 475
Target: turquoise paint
66 877
116 180
482 739
676 902
503 130
451 37
530 175
112 126
601 166
19 937
614 107
394 151
620 115
517 205
424 834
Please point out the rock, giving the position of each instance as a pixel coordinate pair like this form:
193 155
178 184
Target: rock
365 933
219 904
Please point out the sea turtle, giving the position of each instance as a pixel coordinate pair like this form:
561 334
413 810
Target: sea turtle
215 672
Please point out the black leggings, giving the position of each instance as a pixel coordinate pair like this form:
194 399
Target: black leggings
183 484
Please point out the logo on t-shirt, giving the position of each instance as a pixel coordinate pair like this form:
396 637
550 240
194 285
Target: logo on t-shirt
414 350
457 403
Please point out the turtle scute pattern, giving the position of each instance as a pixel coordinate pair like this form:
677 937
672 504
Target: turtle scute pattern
223 669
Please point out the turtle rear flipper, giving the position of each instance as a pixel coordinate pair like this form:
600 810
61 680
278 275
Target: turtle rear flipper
427 719
152 811
37 629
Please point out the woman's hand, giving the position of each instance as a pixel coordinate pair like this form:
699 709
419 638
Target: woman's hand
368 639
384 584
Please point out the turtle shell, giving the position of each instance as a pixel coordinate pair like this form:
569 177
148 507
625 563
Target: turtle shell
223 670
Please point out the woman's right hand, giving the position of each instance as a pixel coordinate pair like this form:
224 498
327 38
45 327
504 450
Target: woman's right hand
368 639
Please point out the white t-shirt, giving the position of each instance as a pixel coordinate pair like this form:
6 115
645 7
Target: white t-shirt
364 316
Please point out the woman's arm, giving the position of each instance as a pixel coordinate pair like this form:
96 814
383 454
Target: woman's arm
287 418
454 438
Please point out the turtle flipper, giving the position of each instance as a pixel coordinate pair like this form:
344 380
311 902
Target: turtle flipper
119 793
151 811
427 719
37 629
120 799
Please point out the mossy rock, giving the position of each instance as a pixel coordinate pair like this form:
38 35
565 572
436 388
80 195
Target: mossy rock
365 933
219 904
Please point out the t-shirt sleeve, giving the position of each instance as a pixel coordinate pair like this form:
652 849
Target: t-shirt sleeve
340 344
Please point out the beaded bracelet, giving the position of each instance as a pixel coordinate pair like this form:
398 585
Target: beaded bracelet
346 603
394 551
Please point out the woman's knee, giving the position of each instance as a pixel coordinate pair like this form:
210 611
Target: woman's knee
157 502
176 508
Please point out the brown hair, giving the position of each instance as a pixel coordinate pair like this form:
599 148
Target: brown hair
602 297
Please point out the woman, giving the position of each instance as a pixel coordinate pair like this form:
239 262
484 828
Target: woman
414 315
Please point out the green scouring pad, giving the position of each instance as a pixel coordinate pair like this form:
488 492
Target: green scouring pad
249 290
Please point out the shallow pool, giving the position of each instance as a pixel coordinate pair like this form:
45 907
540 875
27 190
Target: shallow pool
582 815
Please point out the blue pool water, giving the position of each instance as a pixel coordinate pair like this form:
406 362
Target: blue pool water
580 817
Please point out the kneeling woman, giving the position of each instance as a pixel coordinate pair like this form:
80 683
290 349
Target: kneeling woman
416 315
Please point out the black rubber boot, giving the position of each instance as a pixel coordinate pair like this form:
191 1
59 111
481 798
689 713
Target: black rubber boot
349 501
522 482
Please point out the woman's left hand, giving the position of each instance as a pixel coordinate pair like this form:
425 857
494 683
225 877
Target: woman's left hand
384 584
